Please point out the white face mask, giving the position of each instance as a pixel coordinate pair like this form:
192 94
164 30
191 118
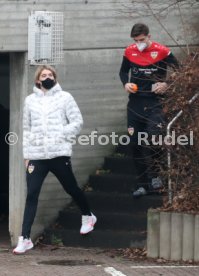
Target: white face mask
141 46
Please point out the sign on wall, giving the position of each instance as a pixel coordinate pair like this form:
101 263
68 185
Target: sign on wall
45 37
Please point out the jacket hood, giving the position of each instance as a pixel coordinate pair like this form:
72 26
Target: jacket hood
56 88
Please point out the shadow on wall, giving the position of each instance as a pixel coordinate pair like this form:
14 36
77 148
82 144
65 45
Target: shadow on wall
4 161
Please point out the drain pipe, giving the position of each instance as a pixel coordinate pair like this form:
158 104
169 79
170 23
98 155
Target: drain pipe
170 192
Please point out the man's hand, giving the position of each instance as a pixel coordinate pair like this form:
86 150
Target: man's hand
130 87
160 87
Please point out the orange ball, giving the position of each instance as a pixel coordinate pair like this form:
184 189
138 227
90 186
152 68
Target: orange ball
134 87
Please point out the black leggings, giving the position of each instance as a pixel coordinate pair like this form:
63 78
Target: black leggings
147 162
145 115
36 172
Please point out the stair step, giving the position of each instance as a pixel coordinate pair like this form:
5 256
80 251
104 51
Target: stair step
71 219
119 165
112 182
98 238
116 202
121 219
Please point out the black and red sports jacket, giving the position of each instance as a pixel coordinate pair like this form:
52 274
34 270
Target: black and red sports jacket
147 67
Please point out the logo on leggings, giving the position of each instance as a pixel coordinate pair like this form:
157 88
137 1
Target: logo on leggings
131 130
154 55
31 168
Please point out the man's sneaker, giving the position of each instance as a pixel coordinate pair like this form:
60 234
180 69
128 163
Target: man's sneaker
139 192
23 245
156 183
88 223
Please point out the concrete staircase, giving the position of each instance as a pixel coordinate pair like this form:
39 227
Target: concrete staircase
122 220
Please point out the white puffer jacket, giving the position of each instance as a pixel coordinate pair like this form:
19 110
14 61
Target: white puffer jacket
49 121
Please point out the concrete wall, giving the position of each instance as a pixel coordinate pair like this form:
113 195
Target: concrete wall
95 35
172 236
18 88
99 24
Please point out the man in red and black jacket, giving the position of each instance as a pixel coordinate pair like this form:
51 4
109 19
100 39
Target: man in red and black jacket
143 74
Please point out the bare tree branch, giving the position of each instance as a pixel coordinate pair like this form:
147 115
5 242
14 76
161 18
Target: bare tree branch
183 25
158 20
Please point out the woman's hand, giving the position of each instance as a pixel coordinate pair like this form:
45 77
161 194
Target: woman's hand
26 163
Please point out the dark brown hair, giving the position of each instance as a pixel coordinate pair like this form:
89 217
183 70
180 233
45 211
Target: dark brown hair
139 29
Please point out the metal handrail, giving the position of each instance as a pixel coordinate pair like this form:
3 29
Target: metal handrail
170 192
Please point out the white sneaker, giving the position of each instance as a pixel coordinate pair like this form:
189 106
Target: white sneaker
156 183
88 223
23 245
140 192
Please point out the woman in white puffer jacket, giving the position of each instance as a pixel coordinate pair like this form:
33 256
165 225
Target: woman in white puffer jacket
51 120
